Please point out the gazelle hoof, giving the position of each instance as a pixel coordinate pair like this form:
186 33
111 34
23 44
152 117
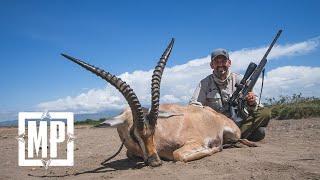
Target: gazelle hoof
154 161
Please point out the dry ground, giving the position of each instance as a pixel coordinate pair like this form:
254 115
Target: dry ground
291 150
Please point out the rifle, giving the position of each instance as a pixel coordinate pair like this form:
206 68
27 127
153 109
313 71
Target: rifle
237 100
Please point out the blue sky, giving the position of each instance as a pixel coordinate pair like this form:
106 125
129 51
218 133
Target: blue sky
126 36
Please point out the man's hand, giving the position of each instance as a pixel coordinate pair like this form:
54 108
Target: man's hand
251 99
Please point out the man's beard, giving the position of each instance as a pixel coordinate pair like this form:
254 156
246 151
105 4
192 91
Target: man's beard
221 72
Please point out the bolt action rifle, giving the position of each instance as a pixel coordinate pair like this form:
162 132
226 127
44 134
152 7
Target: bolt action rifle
237 101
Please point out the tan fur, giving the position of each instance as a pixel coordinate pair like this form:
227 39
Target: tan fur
199 132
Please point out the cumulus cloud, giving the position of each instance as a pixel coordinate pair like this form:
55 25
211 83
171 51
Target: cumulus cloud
243 57
91 101
290 80
179 81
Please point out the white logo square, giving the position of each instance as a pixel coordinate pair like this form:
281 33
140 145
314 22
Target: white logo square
57 135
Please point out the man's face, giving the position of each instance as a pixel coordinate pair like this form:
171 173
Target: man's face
221 66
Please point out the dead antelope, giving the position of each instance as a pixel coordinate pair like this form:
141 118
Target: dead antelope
171 131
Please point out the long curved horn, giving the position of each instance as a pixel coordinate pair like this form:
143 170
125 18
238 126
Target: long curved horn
155 84
120 85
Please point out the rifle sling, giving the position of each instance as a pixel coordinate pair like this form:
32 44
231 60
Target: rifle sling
261 86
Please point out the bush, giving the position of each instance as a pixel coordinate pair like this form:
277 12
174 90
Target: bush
294 107
90 122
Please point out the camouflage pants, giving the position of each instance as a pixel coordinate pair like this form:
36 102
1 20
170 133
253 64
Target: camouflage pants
253 128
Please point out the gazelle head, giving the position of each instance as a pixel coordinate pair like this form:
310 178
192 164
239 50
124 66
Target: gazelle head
144 123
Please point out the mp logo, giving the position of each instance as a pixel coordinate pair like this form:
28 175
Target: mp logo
35 128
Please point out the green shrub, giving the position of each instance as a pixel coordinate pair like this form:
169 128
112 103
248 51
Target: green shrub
90 122
294 107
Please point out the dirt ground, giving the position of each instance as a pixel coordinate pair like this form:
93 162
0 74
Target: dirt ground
291 150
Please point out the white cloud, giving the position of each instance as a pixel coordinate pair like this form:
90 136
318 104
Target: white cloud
243 57
169 98
91 101
179 82
290 80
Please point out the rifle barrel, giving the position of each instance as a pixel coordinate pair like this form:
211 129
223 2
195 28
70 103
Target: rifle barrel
272 44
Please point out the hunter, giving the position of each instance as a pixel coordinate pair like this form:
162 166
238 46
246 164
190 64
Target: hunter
216 89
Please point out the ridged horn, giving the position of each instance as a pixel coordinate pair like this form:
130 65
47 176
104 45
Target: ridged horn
155 84
120 85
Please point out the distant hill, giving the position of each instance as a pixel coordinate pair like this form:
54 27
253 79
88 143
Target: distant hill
77 117
9 123
95 116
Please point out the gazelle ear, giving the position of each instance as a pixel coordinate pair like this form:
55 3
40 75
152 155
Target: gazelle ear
113 122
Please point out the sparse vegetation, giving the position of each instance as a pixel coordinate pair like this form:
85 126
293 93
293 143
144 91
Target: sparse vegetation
294 107
90 122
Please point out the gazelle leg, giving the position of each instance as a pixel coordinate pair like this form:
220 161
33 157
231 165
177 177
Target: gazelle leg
239 143
133 156
247 143
194 151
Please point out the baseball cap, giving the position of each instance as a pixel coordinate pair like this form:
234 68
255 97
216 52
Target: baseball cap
218 52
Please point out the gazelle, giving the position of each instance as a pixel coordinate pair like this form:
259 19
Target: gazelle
169 131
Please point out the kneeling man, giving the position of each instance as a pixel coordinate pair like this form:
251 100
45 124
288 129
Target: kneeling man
216 89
